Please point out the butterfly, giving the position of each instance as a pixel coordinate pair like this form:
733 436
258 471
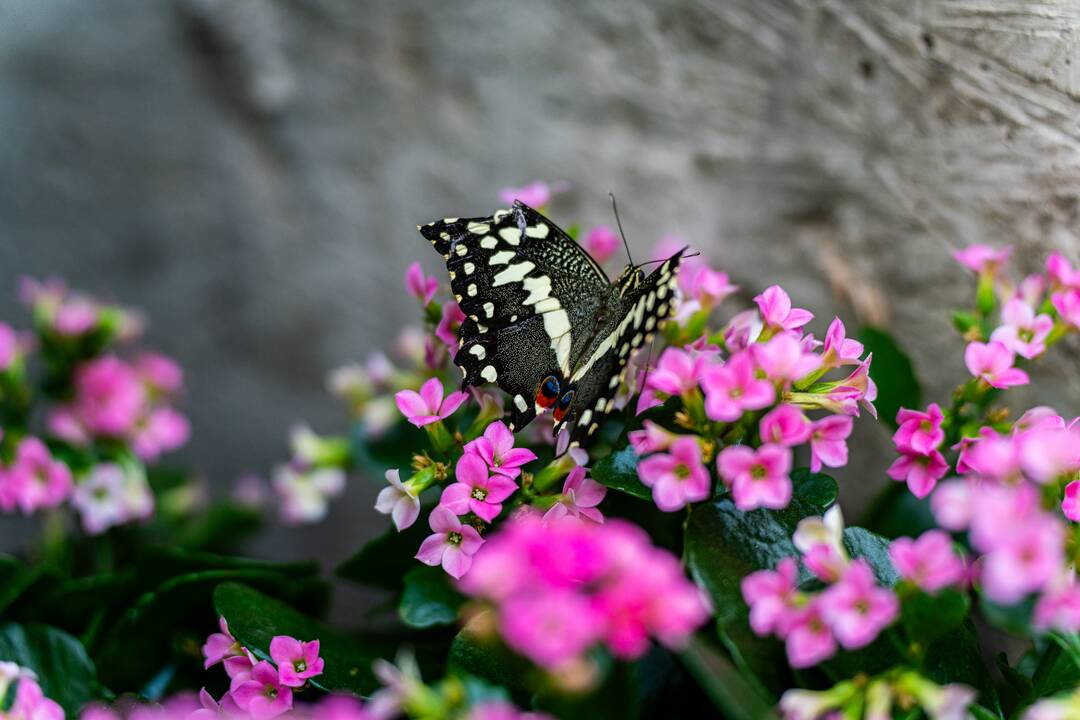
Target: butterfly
543 321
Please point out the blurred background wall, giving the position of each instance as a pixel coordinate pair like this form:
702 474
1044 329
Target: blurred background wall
250 171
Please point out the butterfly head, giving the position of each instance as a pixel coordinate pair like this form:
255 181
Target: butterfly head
631 277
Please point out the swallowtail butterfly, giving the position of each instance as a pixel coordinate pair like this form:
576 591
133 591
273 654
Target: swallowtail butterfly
543 321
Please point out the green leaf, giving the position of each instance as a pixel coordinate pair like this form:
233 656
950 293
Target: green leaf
428 598
729 691
957 657
384 561
16 579
1012 618
619 472
1059 665
254 619
861 543
925 617
482 655
892 372
63 668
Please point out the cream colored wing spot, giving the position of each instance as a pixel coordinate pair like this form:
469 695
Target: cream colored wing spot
477 228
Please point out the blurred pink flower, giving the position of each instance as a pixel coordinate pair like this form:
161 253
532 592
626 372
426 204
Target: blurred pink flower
855 608
35 479
772 597
1028 556
110 496
828 441
651 438
496 448
263 695
930 562
952 504
704 285
601 242
475 490
982 259
447 329
109 398
297 662
809 639
428 406
783 359
1061 272
757 478
821 542
1022 331
162 430
1067 303
919 432
1058 608
9 346
733 388
549 628
580 496
920 472
1070 504
776 311
993 363
536 194
742 330
676 372
31 704
784 425
220 645
677 477
452 545
419 285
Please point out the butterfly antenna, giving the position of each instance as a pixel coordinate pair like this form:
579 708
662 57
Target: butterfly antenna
615 210
653 262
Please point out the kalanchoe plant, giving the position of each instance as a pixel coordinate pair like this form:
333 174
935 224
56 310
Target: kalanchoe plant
690 561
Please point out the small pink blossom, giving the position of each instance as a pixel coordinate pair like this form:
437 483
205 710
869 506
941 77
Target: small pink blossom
650 438
1061 272
983 259
742 330
1058 608
452 545
428 406
111 495
784 425
420 286
1070 504
1047 454
161 430
263 695
676 372
733 388
930 562
160 372
76 316
580 496
990 455
109 398
450 322
919 432
678 477
297 661
772 597
809 639
993 363
35 479
828 441
476 490
535 194
1023 561
821 542
496 448
1067 304
757 478
839 349
703 285
9 346
1022 331
776 311
601 243
952 504
31 704
398 500
856 609
783 359
220 645
920 472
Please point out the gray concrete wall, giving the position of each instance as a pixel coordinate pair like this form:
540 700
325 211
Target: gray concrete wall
250 171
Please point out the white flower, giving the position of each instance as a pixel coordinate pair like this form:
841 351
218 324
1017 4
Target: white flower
398 501
304 495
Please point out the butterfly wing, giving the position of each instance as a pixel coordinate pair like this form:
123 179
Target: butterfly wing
596 379
524 285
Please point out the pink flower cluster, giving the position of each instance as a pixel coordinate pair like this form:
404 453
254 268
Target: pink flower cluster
260 689
559 588
34 479
29 702
68 314
917 440
115 399
849 613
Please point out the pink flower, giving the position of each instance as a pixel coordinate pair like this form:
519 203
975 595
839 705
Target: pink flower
160 372
496 448
1070 505
676 478
76 316
839 349
919 432
983 259
1023 561
398 501
828 441
163 429
475 490
991 455
651 438
677 372
757 478
809 639
705 286
109 398
452 545
772 596
447 329
821 541
1061 272
1067 303
732 388
1058 608
31 704
112 495
549 628
783 359
920 472
9 346
220 645
580 496
36 480
535 194
263 695
1022 331
297 661
952 504
601 242
428 406
1047 454
856 608
930 562
420 286
742 330
993 363
776 311
784 425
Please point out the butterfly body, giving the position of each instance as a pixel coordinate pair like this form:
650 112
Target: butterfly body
543 321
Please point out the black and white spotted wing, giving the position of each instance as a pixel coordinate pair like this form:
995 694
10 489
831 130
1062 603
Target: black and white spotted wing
538 307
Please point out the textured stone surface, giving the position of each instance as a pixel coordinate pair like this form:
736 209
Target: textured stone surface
250 172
